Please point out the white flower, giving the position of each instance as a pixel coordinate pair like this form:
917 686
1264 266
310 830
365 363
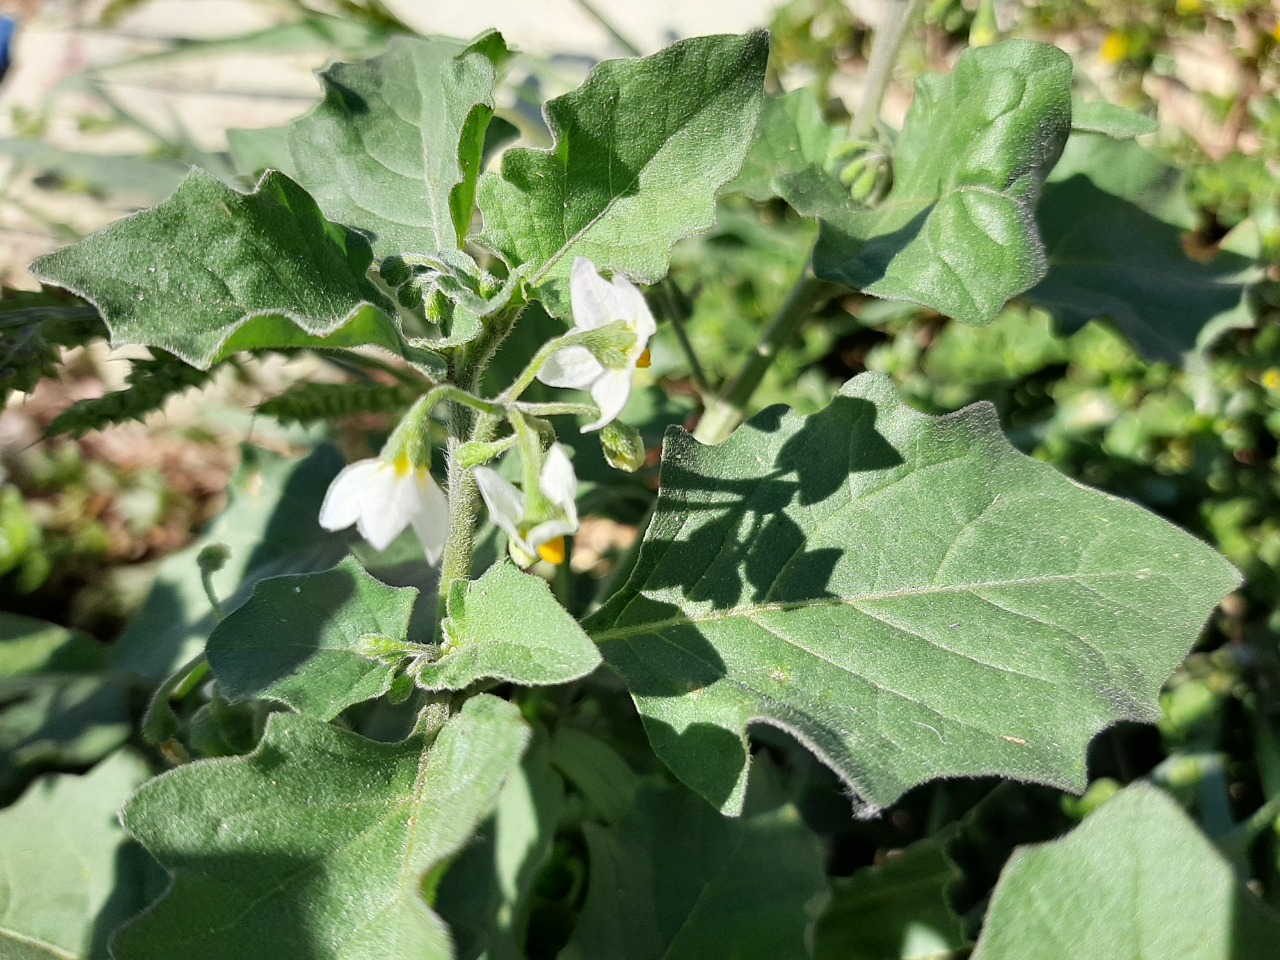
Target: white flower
542 533
596 303
382 497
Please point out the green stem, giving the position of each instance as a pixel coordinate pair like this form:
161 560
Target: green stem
727 411
671 310
470 424
618 38
557 409
889 35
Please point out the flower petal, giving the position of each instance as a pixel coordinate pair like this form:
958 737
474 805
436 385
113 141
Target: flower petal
559 483
610 392
572 366
346 497
634 309
505 502
389 503
431 519
593 298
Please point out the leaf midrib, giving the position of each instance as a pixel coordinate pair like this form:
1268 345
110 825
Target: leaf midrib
784 606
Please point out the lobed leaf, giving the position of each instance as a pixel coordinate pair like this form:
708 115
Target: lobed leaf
211 271
394 149
508 626
957 232
908 596
150 385
639 151
1137 879
320 845
297 640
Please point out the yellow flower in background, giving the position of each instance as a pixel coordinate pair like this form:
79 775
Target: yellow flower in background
1189 8
1271 378
1115 48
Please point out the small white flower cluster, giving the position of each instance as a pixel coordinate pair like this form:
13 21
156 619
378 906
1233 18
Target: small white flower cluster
383 496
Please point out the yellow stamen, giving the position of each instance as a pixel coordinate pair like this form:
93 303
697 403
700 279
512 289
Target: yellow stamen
402 465
646 359
552 551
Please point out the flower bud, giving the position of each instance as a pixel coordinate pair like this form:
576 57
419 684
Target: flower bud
623 447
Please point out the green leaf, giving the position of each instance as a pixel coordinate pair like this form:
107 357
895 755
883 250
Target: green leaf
1137 879
1098 116
640 150
272 528
150 384
487 894
319 845
895 911
211 271
68 873
296 640
1113 216
908 596
790 137
397 140
956 233
60 706
674 880
309 401
508 626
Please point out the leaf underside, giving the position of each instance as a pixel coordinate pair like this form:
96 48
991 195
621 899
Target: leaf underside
908 596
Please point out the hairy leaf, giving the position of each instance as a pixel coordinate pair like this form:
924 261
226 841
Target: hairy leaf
909 596
307 401
956 233
675 880
790 137
68 873
1137 879
150 384
508 626
33 325
319 844
211 271
297 639
1113 216
640 150
394 148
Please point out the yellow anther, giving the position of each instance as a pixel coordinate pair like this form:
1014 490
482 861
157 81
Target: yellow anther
552 551
402 465
646 359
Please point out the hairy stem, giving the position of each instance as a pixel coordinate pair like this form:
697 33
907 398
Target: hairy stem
890 33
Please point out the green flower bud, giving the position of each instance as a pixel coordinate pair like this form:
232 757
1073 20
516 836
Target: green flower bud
622 446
